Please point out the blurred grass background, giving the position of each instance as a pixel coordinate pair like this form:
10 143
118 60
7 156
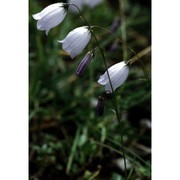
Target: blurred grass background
67 140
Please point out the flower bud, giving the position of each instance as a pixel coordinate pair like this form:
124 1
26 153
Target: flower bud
84 63
100 106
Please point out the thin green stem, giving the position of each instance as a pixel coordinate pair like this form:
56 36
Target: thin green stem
123 27
113 93
114 103
73 150
140 54
81 14
128 151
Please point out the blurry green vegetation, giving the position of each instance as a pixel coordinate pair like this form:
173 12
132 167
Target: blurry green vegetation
67 140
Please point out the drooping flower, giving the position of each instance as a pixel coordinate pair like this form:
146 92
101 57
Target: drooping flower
84 63
118 74
76 40
51 16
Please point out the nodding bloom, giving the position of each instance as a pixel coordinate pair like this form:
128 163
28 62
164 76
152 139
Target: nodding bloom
118 74
51 16
76 40
100 106
84 63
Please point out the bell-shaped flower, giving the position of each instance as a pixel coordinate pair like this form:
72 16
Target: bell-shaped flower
118 74
84 63
51 16
76 40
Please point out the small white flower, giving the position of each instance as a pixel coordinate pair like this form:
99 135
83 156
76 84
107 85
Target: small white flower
76 40
118 74
50 17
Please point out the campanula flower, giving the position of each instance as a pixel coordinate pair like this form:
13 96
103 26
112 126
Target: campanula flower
51 16
84 63
76 40
118 74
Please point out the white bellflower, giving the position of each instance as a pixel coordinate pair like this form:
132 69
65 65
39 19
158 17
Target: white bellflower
50 17
118 74
76 40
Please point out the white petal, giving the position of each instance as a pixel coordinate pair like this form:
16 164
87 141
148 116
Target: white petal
36 16
47 31
117 79
51 8
116 67
51 20
103 79
76 40
112 70
50 17
118 74
80 44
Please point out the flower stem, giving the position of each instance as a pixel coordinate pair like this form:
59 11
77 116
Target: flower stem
123 27
140 54
113 93
114 103
81 14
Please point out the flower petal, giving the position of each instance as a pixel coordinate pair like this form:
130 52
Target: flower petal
103 79
76 40
36 16
50 17
117 80
112 70
51 20
118 74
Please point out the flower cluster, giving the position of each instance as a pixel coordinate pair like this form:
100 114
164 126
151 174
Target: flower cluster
76 41
52 16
